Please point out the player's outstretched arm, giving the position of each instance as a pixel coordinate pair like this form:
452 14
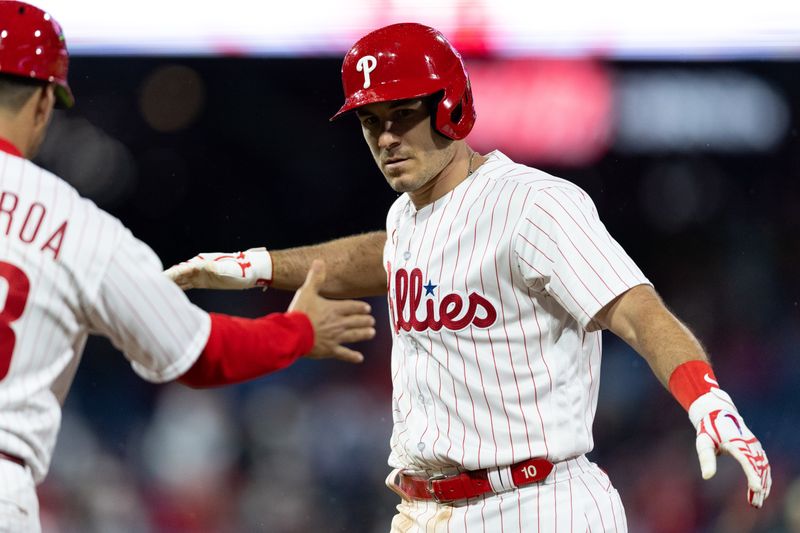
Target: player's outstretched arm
354 267
239 349
678 360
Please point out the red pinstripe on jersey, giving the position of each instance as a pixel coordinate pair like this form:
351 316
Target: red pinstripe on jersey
472 277
446 363
447 199
523 336
621 258
574 246
459 355
416 375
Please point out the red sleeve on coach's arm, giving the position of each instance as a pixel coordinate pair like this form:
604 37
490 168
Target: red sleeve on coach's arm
239 349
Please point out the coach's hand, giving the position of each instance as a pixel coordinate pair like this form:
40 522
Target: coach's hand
722 431
237 270
336 322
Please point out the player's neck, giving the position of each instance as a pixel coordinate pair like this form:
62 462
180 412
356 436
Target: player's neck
10 143
462 166
14 130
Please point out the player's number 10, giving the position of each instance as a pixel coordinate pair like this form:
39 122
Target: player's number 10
529 472
15 298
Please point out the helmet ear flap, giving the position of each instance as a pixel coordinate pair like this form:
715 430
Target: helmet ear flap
467 118
455 114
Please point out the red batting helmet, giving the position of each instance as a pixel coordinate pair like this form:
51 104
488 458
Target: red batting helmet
32 46
409 60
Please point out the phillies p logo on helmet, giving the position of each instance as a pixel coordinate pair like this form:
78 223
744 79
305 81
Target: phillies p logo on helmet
366 65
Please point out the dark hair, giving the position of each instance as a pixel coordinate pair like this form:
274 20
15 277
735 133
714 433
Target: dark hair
16 90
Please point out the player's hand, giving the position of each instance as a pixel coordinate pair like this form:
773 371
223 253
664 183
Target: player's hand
237 270
336 322
723 431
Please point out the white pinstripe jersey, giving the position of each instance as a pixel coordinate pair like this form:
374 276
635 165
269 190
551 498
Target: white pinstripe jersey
67 268
492 293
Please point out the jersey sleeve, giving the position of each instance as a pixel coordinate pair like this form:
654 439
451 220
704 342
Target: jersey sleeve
146 316
565 251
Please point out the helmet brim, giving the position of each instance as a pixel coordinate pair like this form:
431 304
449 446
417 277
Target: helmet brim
387 92
64 97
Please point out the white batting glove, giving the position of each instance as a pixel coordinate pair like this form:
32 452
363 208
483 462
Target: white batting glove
238 270
720 429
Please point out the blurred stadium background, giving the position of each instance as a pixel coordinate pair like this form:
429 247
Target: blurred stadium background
204 128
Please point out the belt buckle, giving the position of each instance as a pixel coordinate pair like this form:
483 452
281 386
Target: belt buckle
432 492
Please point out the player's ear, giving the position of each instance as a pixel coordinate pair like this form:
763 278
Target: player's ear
45 102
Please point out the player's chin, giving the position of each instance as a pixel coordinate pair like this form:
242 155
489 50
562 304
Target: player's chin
400 183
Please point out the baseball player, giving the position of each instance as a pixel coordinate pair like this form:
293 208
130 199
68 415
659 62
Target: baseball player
500 279
67 268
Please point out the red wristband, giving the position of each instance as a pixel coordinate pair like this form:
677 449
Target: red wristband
691 380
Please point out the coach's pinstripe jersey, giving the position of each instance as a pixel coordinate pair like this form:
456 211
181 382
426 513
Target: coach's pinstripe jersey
67 269
492 292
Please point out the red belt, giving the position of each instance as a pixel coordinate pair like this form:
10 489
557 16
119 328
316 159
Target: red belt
469 484
13 459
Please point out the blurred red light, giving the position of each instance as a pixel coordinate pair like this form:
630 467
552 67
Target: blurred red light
542 111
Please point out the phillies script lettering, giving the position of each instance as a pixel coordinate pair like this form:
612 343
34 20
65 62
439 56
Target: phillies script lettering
450 315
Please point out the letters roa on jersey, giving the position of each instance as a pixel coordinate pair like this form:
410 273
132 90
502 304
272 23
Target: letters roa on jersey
450 313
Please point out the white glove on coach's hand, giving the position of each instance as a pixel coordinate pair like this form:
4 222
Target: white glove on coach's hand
238 270
720 429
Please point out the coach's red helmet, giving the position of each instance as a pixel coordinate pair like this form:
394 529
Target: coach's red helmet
409 60
32 46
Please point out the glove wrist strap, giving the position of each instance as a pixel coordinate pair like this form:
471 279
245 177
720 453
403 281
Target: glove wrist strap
262 266
691 380
695 386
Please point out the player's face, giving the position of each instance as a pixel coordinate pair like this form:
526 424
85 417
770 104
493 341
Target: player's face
409 152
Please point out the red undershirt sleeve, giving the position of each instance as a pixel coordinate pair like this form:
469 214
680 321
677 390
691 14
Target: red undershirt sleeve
239 349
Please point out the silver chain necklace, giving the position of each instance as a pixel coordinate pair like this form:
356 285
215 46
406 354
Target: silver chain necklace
469 166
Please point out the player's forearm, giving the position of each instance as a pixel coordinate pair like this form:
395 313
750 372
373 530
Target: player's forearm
641 319
354 266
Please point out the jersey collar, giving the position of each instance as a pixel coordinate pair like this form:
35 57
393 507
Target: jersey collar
6 146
